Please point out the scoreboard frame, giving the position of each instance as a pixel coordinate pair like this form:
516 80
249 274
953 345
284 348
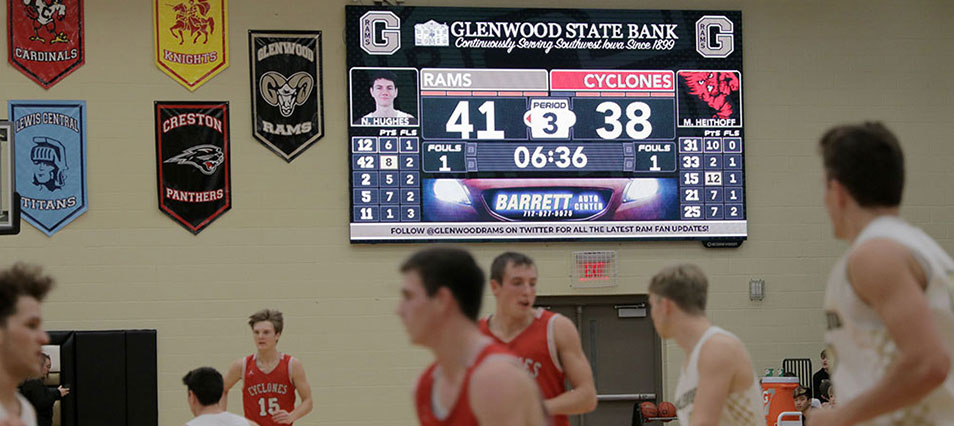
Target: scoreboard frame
502 139
9 198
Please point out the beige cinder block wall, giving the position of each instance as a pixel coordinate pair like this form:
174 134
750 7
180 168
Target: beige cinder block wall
284 244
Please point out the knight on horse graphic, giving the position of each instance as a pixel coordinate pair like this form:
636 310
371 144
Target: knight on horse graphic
43 15
192 17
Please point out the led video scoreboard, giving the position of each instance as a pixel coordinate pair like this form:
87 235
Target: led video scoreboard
478 124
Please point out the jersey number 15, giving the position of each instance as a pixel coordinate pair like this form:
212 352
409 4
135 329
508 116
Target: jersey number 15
272 406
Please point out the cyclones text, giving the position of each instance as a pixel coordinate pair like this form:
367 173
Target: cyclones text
261 388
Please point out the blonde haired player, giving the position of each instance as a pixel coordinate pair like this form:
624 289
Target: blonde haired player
888 301
717 385
269 378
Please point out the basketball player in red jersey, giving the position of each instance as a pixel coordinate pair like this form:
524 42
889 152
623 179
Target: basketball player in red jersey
269 378
547 343
473 381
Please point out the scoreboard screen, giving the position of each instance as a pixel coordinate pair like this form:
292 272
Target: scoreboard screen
482 124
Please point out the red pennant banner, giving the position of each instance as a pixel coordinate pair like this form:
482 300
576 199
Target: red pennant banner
46 40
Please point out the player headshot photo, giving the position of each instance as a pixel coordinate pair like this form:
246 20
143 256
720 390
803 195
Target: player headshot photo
710 98
384 97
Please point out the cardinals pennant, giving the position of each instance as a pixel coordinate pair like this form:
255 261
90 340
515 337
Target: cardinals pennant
50 161
46 38
285 68
191 39
193 168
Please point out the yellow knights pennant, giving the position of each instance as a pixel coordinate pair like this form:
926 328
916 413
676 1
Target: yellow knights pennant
191 39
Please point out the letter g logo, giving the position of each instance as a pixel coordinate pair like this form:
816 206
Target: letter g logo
721 44
390 37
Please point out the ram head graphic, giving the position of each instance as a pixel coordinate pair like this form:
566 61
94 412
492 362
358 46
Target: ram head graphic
286 93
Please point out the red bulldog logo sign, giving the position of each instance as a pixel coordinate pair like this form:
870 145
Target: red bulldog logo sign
46 38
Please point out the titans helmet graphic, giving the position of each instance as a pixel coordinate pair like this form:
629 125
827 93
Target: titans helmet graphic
49 160
206 158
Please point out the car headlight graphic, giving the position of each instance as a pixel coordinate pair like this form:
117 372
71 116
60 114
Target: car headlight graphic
640 190
451 191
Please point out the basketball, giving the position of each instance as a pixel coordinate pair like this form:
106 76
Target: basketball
666 409
648 408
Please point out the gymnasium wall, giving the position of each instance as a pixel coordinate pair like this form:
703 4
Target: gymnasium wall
123 264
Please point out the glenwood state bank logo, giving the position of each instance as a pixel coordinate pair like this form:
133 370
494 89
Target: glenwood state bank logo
431 33
389 39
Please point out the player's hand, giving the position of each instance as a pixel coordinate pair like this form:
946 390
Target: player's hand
825 417
63 391
280 417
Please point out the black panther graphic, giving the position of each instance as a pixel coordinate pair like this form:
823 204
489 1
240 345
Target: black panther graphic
206 158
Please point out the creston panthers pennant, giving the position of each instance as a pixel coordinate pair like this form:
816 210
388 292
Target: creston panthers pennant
192 150
285 68
50 161
46 38
191 39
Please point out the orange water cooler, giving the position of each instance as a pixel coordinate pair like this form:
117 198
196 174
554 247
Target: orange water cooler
778 396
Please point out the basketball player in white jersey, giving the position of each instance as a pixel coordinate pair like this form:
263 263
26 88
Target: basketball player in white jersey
205 389
717 385
888 302
22 288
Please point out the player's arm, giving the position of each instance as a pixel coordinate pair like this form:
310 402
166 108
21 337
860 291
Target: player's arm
582 398
719 360
304 393
886 277
503 394
231 378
